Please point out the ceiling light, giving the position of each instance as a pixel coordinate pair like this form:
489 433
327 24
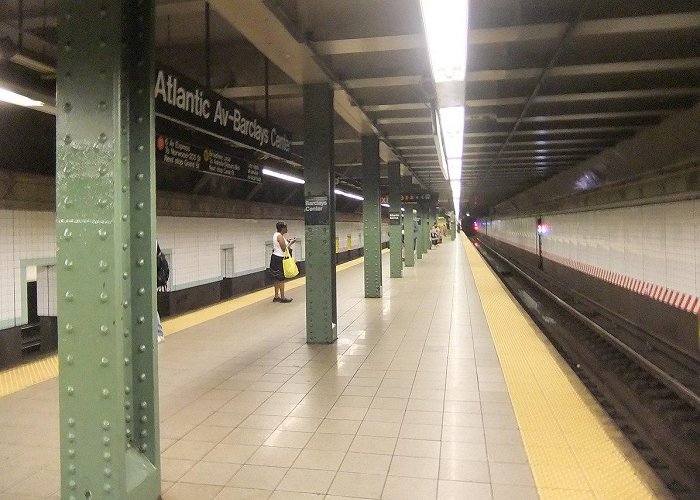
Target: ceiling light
279 175
452 123
386 205
445 23
18 99
439 145
454 167
456 188
349 195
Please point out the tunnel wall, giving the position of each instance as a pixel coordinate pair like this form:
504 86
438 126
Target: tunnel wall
641 262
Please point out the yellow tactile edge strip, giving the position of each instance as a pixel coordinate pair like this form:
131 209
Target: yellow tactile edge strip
20 377
574 449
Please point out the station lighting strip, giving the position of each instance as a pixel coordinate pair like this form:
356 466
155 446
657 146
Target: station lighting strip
18 99
299 180
445 23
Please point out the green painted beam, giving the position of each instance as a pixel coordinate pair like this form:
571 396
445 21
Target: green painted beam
408 230
395 226
319 175
105 223
371 216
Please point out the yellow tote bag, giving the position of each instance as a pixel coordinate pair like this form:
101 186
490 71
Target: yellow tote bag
289 265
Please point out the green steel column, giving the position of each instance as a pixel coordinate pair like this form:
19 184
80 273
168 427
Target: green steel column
395 244
453 226
420 243
371 216
105 224
428 227
408 220
319 176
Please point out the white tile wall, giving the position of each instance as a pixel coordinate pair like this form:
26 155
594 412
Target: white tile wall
7 289
23 235
659 244
46 290
519 232
193 244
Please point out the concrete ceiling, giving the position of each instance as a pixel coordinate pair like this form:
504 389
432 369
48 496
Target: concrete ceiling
550 83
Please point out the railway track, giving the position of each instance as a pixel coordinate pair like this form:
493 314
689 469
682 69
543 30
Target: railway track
649 388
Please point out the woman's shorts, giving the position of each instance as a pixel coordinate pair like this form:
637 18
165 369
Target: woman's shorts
276 269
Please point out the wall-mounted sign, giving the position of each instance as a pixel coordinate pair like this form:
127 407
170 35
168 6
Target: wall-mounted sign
179 98
176 153
395 218
410 197
316 210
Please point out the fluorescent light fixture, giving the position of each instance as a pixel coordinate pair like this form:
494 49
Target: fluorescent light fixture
18 99
452 122
349 195
279 175
454 167
386 205
445 23
456 188
439 145
403 209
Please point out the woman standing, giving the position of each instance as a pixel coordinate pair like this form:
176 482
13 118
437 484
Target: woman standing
280 244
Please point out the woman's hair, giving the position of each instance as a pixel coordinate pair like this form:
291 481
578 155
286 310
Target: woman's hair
281 225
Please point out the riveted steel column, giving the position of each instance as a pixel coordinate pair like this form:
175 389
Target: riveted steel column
371 216
105 221
319 176
420 242
409 218
429 227
395 243
426 228
453 226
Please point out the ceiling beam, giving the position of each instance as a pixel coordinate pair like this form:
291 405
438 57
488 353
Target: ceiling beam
387 81
275 91
511 34
594 116
409 106
587 96
491 75
292 90
403 120
657 65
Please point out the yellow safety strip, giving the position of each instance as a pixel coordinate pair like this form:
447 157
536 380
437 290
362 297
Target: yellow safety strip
20 377
573 447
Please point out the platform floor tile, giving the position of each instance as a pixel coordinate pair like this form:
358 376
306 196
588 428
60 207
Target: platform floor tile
574 449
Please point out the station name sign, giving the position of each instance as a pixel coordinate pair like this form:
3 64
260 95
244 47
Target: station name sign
178 97
316 211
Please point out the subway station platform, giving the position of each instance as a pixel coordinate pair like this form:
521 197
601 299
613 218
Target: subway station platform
441 389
